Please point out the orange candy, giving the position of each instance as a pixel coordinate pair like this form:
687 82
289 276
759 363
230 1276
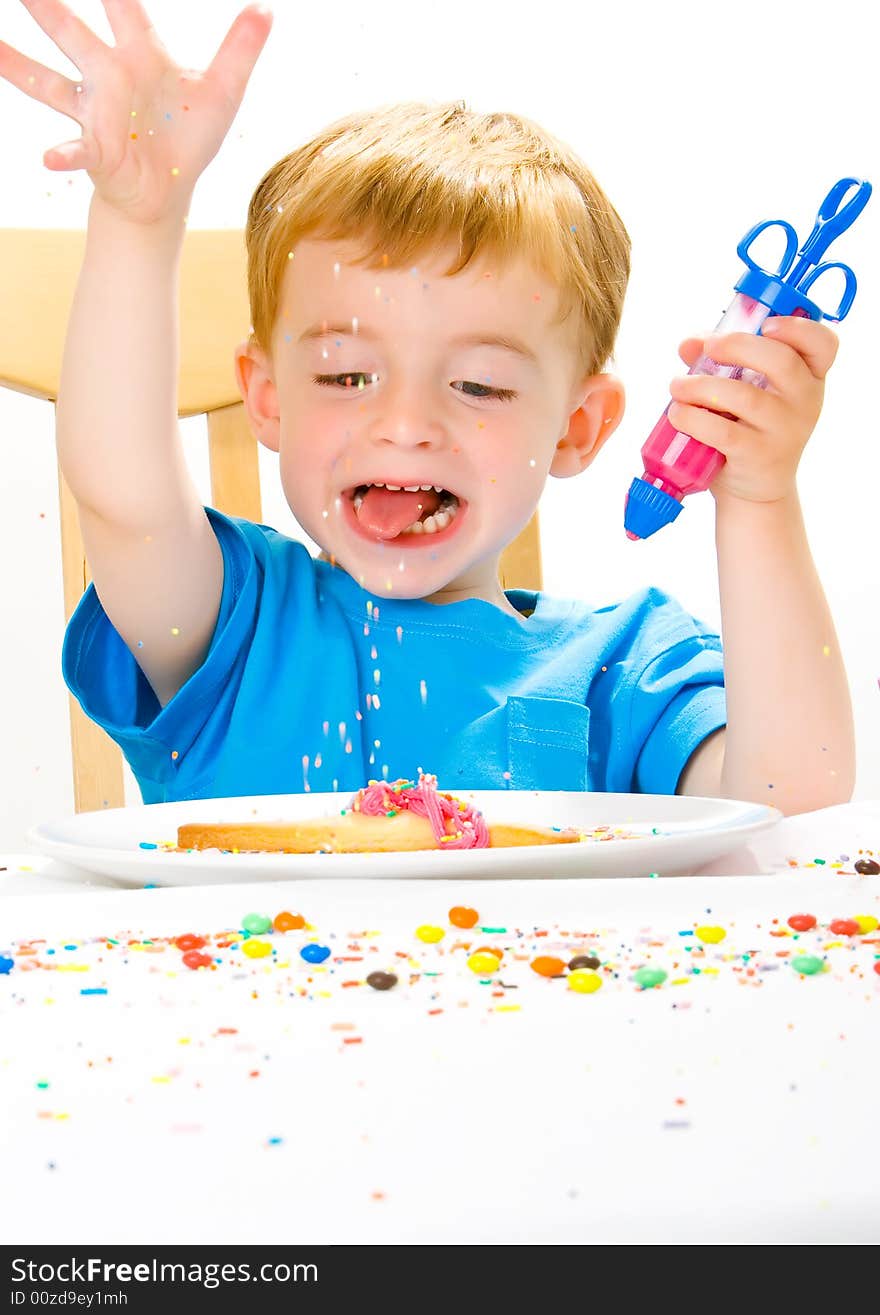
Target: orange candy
548 965
463 917
288 921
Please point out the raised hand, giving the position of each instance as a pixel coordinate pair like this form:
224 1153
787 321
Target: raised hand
149 127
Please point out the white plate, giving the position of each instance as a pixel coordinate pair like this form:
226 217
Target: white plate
689 833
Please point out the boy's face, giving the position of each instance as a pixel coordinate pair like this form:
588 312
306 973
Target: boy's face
411 378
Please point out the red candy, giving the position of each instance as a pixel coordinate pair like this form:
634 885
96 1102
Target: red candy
801 921
845 927
195 959
877 967
190 942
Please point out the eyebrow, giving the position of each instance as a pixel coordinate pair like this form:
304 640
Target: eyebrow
477 339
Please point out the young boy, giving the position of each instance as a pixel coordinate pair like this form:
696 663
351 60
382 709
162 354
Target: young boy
434 294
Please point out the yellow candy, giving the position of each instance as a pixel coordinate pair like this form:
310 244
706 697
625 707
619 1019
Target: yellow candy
483 963
584 981
866 922
256 949
711 935
430 934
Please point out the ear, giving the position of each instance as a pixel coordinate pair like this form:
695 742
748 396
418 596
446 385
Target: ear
253 374
600 411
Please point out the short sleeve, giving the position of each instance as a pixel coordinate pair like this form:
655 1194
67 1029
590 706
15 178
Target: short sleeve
677 702
103 676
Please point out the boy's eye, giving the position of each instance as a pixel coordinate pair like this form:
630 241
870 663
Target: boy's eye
500 394
356 379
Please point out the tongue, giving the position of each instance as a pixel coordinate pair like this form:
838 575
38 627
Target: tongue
385 513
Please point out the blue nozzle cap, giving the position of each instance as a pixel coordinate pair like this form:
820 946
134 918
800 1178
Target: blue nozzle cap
648 509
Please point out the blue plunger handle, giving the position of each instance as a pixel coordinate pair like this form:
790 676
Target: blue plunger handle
830 222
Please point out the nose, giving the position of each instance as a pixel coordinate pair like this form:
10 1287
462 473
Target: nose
406 417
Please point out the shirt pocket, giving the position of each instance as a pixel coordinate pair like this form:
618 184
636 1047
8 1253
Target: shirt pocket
547 744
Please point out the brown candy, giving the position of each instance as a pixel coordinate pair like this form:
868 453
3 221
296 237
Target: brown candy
381 981
583 961
867 867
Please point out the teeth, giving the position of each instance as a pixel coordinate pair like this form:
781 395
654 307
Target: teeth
438 521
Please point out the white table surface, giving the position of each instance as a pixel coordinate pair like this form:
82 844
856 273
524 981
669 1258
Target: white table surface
266 1101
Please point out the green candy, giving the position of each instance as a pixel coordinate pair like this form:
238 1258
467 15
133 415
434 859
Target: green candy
256 923
648 977
808 964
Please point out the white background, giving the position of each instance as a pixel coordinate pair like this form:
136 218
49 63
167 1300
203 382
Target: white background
697 121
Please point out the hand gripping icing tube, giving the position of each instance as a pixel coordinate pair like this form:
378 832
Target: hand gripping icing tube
676 464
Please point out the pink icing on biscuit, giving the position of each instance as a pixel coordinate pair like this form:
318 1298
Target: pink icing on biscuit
469 829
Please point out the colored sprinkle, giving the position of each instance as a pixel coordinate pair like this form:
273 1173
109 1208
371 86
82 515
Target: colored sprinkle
256 923
430 935
493 931
315 953
711 935
802 921
381 981
648 977
547 965
257 949
147 844
288 921
583 981
93 990
807 964
461 916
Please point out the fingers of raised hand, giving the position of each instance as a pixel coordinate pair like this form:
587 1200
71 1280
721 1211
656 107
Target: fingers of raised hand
69 33
239 51
127 18
38 82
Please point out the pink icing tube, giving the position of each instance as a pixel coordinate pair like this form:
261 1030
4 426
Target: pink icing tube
470 828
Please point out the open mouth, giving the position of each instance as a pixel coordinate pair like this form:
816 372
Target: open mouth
408 514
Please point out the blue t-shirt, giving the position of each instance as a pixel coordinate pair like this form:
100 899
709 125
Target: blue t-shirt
312 683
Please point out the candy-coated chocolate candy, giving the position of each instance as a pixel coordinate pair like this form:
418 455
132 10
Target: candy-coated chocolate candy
430 935
866 867
648 977
256 949
845 927
807 964
583 961
288 921
866 923
195 959
256 923
583 981
711 935
801 922
547 965
483 964
189 941
460 916
315 953
381 981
